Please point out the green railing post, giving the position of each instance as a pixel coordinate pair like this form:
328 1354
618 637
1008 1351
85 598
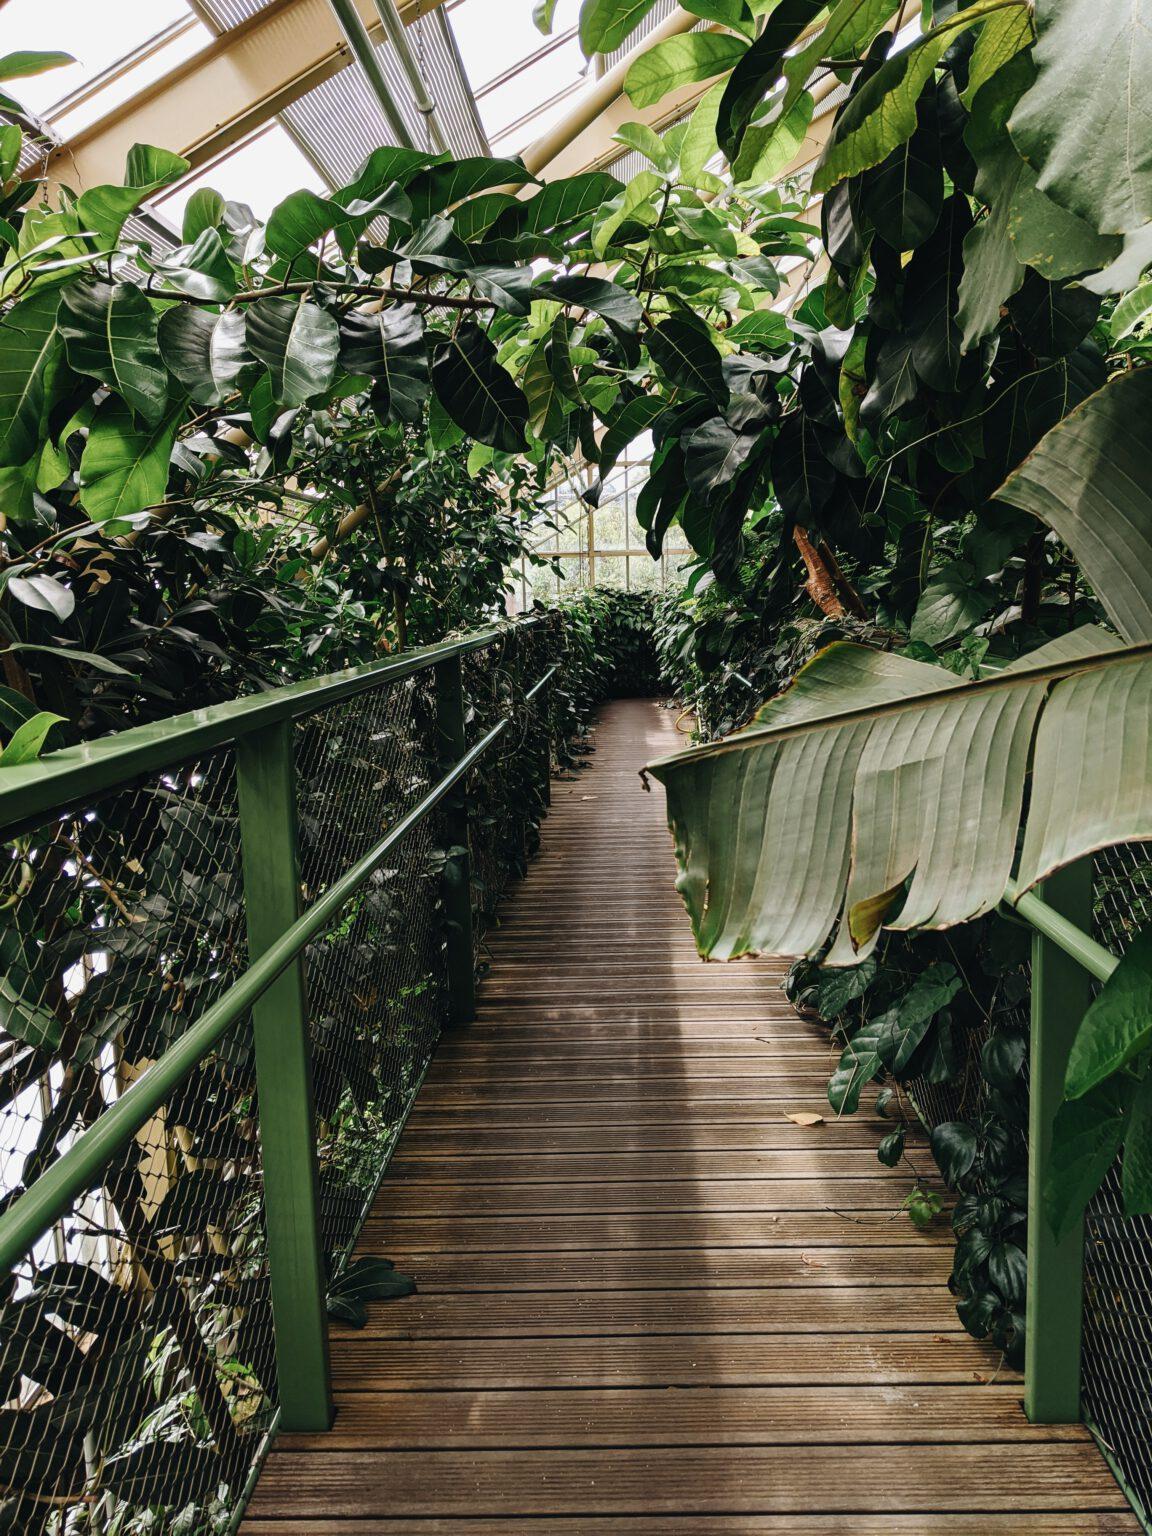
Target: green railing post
267 795
1061 993
546 733
457 886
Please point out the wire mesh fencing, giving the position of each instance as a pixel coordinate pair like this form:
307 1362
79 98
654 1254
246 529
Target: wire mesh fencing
137 1346
1116 1356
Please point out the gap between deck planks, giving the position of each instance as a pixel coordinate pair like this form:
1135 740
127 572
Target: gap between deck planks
649 1302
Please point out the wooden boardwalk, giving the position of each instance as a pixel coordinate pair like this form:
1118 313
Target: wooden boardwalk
649 1302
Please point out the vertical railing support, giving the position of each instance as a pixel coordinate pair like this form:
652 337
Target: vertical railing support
545 697
1061 993
267 795
452 743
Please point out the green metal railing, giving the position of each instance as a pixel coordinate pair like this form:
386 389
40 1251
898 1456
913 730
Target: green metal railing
230 941
1087 1356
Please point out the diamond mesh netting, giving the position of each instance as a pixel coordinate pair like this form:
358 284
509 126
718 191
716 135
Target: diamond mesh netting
137 1347
136 1336
1117 1348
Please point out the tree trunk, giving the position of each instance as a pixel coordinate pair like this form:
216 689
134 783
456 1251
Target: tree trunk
827 586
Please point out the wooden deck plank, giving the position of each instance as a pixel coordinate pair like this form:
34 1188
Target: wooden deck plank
649 1303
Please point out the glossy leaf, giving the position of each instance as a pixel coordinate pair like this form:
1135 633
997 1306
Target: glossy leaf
604 24
1118 1023
759 69
388 346
479 395
683 349
1086 1136
680 60
124 467
109 332
1096 160
299 343
30 353
205 351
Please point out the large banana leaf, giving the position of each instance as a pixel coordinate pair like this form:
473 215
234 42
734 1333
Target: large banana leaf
879 791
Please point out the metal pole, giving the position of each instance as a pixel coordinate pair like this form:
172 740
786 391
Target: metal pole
1061 993
369 60
397 35
267 793
457 884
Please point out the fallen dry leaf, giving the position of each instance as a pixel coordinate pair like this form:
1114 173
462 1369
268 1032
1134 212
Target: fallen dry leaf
803 1117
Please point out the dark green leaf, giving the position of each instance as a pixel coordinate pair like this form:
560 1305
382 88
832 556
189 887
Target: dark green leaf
109 332
1086 1137
30 354
478 394
683 349
759 69
954 1147
388 346
1118 1024
299 343
205 351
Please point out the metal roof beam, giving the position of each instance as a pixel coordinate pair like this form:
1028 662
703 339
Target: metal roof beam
225 92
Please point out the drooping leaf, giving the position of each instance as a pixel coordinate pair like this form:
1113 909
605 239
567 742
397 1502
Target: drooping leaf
879 788
28 741
1086 479
882 113
205 351
124 467
25 1020
45 593
109 332
950 605
299 344
604 24
759 69
625 426
477 392
1118 1023
685 353
954 1148
441 186
620 310
1136 1175
30 350
678 61
1095 160
1086 1136
388 346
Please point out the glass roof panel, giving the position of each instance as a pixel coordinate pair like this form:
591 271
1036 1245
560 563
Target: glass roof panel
260 172
522 79
98 36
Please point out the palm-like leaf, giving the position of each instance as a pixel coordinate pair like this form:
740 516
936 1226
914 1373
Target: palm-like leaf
879 791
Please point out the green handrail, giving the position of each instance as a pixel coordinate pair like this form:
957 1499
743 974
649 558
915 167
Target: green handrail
74 1172
33 791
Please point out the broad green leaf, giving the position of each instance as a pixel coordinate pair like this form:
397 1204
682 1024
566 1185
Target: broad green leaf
759 69
556 206
764 327
110 333
1086 1136
1117 1025
25 1020
543 392
388 346
1000 38
683 349
124 467
542 13
645 141
25 62
441 186
847 34
205 351
882 114
604 24
699 144
880 788
1132 310
1087 480
150 167
30 352
509 288
635 202
1083 125
27 744
680 60
202 270
736 14
620 310
203 210
478 394
992 269
305 219
299 344
768 148
44 593
932 990
949 606
868 1051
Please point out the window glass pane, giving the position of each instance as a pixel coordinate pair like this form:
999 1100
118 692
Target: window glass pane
96 36
609 526
611 571
647 574
260 172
